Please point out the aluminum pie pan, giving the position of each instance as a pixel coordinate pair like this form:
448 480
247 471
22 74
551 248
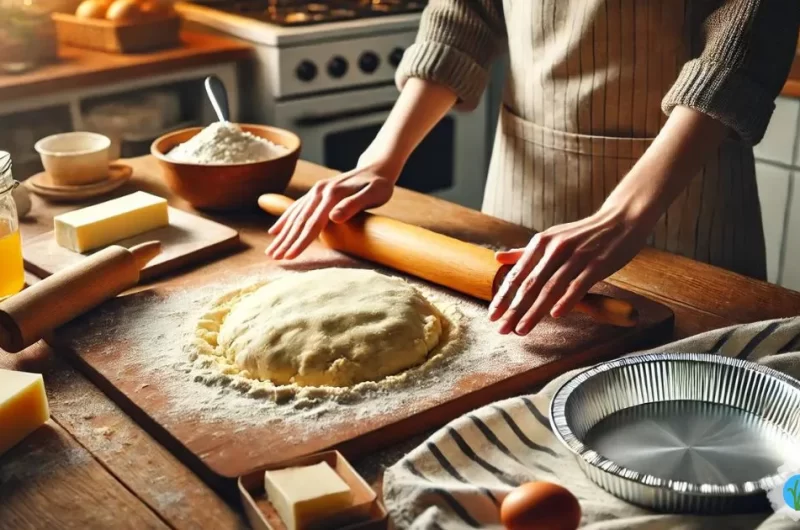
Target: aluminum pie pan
713 400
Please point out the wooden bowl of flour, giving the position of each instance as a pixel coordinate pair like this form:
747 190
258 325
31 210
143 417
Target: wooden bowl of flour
227 186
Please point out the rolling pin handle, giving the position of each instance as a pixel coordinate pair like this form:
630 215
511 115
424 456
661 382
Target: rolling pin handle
10 335
274 204
502 272
601 308
143 253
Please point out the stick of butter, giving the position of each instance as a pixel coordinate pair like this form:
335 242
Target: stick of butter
23 406
108 222
304 496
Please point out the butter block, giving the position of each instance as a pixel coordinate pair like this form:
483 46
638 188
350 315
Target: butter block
305 496
23 406
108 222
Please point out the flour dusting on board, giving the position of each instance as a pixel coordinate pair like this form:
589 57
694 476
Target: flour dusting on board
152 338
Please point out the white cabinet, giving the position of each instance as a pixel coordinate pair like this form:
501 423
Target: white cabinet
773 193
779 141
797 148
791 258
778 175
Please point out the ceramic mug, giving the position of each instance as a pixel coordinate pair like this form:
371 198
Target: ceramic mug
75 158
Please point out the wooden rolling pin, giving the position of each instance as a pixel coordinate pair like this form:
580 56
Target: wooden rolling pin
440 259
28 316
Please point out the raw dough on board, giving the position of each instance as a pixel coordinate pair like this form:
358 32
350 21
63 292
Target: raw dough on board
329 327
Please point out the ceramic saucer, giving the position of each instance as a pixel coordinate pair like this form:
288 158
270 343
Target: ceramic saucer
42 185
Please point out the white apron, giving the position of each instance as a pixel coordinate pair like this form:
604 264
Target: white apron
581 105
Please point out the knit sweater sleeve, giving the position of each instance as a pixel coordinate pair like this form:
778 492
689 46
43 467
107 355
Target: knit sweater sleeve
455 46
746 52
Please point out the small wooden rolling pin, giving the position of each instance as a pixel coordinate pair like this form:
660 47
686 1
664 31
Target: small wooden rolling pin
28 316
440 259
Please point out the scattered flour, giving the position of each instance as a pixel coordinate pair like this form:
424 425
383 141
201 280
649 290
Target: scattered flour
225 143
157 330
36 464
104 431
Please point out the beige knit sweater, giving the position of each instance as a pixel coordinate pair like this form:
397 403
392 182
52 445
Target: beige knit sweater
732 62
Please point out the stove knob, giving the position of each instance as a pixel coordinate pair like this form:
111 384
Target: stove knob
396 56
306 71
337 66
368 62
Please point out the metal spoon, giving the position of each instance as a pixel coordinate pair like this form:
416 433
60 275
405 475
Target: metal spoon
218 96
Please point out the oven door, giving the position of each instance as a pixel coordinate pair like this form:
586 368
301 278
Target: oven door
450 163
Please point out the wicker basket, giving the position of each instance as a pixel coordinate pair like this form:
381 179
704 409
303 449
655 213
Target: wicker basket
108 36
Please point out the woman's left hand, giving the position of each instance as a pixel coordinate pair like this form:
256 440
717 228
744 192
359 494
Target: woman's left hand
561 264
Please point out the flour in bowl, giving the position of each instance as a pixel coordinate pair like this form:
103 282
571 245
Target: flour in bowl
225 143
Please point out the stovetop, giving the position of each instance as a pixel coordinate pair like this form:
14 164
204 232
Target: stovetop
302 12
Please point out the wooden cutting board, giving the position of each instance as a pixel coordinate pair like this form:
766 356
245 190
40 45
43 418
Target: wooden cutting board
188 239
123 347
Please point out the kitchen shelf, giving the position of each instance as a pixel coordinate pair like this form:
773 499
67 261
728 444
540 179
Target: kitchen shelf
87 71
85 77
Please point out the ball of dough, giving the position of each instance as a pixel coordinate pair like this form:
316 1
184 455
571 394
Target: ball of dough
330 327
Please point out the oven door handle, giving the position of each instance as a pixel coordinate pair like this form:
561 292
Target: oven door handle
315 120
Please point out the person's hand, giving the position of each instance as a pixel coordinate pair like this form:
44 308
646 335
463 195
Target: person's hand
561 264
336 199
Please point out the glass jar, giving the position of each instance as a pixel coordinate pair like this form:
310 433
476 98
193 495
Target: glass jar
12 272
27 36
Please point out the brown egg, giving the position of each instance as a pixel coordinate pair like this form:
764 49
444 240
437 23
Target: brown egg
124 11
92 9
540 506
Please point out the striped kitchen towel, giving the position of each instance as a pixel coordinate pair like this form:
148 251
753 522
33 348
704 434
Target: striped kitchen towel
457 478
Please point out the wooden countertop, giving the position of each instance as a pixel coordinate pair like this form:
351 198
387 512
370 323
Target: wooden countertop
93 466
80 68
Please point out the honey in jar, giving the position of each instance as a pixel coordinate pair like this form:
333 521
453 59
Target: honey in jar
12 275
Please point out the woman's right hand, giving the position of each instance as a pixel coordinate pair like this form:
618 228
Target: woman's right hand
335 199
418 109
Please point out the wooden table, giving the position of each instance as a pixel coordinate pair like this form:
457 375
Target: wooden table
92 466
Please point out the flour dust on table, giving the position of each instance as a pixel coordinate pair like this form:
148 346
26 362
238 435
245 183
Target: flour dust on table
225 143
